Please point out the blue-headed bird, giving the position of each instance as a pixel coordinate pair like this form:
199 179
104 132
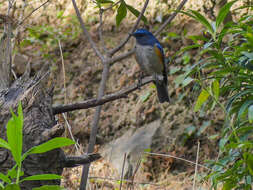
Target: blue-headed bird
150 57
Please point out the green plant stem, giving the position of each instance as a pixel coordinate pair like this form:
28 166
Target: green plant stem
222 107
18 174
1 185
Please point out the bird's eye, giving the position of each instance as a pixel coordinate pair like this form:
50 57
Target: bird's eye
140 35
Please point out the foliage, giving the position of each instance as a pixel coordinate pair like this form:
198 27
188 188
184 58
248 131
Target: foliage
121 10
45 37
224 71
14 143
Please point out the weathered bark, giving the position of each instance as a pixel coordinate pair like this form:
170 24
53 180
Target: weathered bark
5 57
39 126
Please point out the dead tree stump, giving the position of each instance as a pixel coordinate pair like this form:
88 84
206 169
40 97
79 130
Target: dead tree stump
39 126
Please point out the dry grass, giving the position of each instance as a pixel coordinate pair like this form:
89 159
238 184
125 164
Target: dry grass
103 176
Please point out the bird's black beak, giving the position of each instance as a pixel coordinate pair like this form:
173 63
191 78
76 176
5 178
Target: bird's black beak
131 34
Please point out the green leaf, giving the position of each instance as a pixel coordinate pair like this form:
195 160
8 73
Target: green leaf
186 49
51 144
4 144
136 13
41 177
212 137
216 89
121 13
20 114
250 114
174 69
12 173
249 160
15 134
223 13
145 97
235 97
243 109
203 127
228 185
4 178
190 130
187 81
222 143
105 1
12 187
197 16
201 100
49 187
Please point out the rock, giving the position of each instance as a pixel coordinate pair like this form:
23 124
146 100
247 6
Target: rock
19 63
133 143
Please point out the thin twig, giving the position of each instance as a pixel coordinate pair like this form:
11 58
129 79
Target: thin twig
122 172
34 10
64 73
125 180
170 18
114 50
107 98
108 8
86 33
100 29
196 167
178 158
136 170
121 56
70 131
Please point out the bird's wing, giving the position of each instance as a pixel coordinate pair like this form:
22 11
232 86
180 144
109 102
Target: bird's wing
159 52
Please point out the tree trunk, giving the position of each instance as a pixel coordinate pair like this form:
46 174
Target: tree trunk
5 57
39 126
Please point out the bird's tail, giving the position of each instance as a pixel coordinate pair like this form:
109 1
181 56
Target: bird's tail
162 91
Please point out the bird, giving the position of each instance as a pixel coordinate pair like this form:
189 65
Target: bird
149 55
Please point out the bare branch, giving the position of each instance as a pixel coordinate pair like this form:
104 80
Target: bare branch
73 161
95 126
70 131
107 98
178 158
33 12
100 29
126 180
170 18
113 51
196 167
86 33
122 171
112 6
121 56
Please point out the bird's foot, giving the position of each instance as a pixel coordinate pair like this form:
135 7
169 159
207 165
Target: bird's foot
140 80
158 78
